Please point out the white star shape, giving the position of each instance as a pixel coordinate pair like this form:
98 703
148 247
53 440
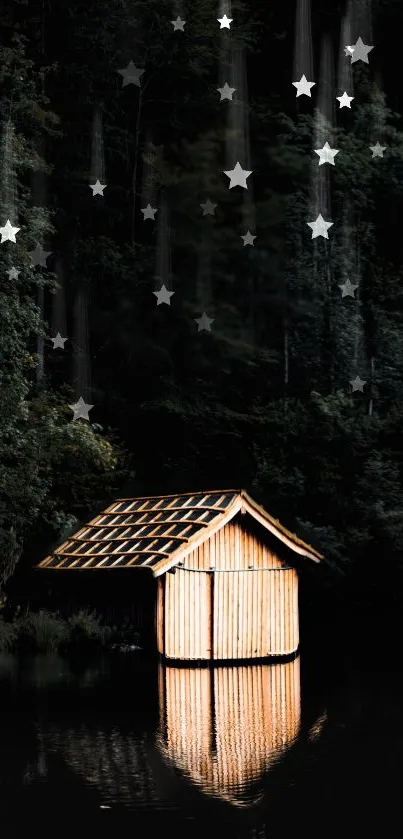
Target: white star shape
238 176
204 323
320 227
348 51
226 92
163 296
131 74
225 22
208 208
8 232
248 239
326 155
348 289
81 409
98 188
149 212
357 384
360 52
178 24
39 256
377 150
303 86
58 342
13 274
345 100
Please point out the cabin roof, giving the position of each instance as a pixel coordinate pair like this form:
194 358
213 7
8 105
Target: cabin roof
159 532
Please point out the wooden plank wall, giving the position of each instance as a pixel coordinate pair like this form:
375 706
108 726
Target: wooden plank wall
255 614
160 615
224 727
232 611
187 616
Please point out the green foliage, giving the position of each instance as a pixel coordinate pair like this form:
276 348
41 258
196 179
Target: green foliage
50 468
46 631
80 463
124 635
87 629
8 636
43 631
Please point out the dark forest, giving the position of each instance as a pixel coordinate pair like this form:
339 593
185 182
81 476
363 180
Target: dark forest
259 395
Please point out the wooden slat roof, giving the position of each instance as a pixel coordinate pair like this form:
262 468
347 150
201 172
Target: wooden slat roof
158 532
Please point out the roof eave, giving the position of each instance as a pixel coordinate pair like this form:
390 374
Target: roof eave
260 515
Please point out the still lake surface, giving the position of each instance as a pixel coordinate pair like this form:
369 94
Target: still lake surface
122 743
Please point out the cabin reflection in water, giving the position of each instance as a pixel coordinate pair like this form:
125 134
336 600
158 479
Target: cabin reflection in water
220 729
223 727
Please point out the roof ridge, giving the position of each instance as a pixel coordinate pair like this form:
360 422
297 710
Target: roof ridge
178 494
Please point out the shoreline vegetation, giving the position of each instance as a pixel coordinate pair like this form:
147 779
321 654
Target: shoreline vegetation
49 631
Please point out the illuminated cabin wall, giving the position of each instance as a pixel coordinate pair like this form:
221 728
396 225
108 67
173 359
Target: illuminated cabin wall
224 609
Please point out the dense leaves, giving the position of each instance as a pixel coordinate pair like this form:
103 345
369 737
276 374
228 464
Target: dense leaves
263 401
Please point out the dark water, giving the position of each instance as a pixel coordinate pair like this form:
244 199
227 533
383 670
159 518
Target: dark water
122 744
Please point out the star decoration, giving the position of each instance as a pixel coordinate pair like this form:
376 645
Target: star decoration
348 289
303 86
377 150
208 208
238 176
226 92
178 24
360 52
163 296
248 239
8 232
204 323
98 188
39 256
320 227
58 342
345 100
149 212
326 155
13 274
81 409
131 74
357 384
348 51
225 22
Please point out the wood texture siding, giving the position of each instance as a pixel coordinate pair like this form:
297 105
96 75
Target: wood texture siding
248 593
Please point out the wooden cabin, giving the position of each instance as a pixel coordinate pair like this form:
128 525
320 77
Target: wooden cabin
226 571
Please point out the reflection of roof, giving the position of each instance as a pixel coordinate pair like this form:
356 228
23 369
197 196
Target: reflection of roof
159 532
113 762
